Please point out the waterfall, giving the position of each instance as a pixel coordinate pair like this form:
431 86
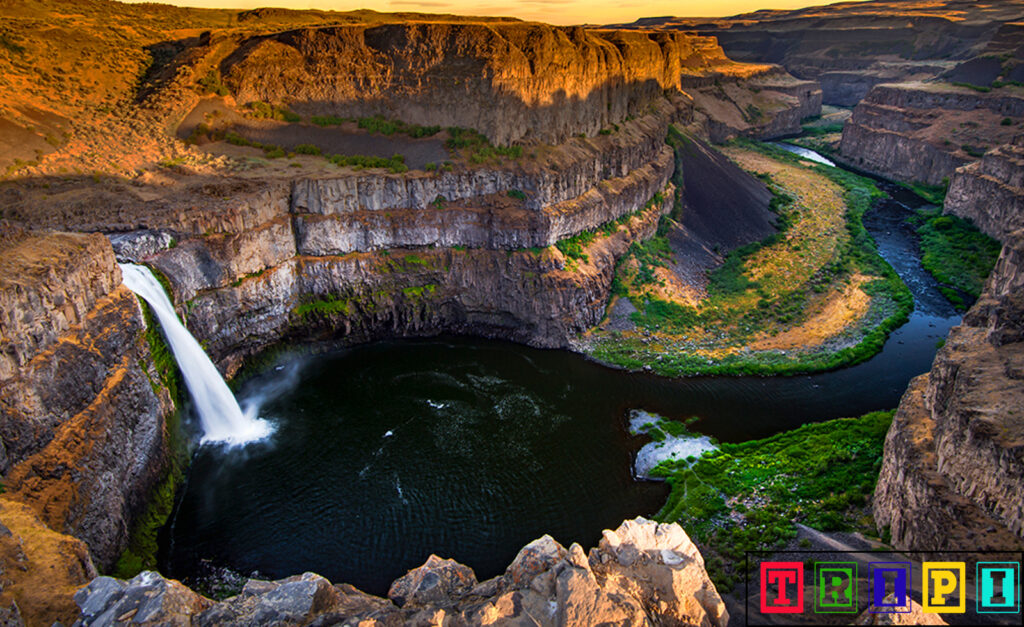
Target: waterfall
219 414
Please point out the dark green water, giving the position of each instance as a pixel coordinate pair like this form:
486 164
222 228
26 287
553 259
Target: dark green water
470 448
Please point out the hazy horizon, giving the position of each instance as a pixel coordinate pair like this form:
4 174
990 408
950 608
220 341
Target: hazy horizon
551 11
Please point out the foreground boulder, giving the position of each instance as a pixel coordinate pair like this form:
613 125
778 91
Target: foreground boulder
641 573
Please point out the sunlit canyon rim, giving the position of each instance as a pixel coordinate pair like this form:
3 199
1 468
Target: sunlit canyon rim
312 317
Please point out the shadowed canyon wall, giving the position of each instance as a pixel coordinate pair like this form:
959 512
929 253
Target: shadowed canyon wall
510 81
82 412
953 468
850 47
922 132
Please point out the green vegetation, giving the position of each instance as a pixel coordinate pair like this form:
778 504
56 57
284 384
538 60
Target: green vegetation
518 194
957 254
383 126
323 307
825 129
573 247
812 254
973 151
934 194
417 292
307 149
211 84
141 552
477 147
263 110
982 88
747 496
396 163
378 124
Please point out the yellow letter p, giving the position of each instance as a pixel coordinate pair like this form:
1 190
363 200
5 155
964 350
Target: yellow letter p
941 579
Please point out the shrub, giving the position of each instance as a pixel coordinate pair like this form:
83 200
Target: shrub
308 149
211 84
518 194
263 110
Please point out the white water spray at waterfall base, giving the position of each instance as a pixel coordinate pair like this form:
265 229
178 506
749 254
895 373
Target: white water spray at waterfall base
219 414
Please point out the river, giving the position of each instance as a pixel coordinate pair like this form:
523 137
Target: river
470 448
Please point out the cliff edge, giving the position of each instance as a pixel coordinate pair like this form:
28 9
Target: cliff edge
639 574
953 468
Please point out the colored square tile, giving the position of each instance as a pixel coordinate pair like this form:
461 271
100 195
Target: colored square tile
943 587
890 579
836 587
782 587
998 587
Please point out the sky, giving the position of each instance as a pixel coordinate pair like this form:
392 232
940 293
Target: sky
551 11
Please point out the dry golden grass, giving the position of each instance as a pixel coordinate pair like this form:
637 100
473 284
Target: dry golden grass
831 315
813 239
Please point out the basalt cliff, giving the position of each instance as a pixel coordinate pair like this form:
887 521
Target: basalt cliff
566 133
933 85
954 456
546 136
849 47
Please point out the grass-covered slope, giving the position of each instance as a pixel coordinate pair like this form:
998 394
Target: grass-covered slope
747 496
957 254
814 296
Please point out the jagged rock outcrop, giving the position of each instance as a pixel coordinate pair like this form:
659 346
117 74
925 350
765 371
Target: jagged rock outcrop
763 103
82 424
642 573
510 81
990 193
922 132
953 467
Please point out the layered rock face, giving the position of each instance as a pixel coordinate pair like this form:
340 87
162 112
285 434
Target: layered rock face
532 297
849 48
82 424
352 257
922 132
953 468
510 81
998 179
642 573
767 104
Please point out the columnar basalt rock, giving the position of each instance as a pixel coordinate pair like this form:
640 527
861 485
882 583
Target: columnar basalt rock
535 297
990 193
511 81
82 424
922 132
640 574
953 467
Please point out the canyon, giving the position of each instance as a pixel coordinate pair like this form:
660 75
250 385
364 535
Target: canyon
258 251
956 439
